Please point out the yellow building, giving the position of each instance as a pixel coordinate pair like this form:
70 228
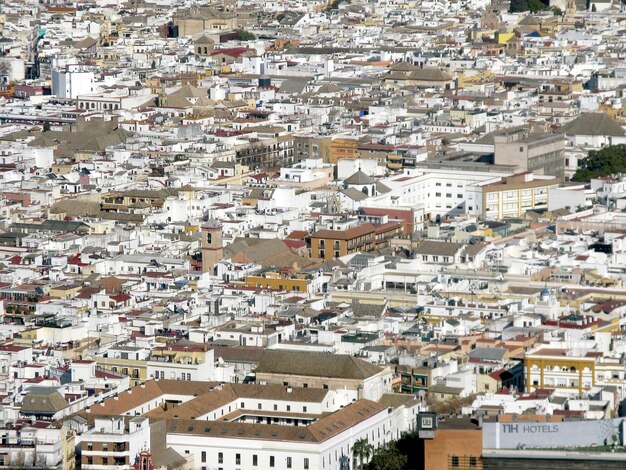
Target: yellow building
64 292
68 448
504 37
276 282
513 196
331 244
137 370
343 148
62 168
557 368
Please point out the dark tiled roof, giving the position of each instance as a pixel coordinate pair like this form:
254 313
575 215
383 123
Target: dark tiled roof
431 247
316 365
359 178
593 124
43 400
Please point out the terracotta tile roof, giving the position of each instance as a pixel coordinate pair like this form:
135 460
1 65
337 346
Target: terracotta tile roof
320 431
316 365
349 234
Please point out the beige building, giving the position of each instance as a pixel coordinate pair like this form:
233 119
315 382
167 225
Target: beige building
204 19
353 376
541 153
513 196
212 246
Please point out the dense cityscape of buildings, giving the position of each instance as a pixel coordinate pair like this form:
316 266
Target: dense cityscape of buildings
242 235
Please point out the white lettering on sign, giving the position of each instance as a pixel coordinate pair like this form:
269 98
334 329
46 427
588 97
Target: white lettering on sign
529 428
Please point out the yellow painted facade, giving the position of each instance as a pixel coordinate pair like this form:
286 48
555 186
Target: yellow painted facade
293 285
136 370
503 38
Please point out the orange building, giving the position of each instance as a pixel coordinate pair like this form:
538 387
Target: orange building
457 444
343 148
329 244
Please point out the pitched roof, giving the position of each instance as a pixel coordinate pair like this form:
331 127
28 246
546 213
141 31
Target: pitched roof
430 74
323 429
359 178
488 354
86 43
148 391
214 399
316 365
404 67
46 400
432 247
362 309
593 124
293 86
349 234
204 40
354 194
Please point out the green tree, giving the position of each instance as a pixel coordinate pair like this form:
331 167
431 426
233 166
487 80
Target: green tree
362 451
46 126
556 11
153 64
245 35
604 162
388 457
517 6
536 5
593 8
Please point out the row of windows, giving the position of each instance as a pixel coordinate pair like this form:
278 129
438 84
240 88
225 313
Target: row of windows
335 244
459 196
260 407
182 376
255 460
92 105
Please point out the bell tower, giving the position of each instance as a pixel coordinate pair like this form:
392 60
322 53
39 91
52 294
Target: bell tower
211 245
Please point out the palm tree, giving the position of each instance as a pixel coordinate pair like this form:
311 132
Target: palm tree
362 450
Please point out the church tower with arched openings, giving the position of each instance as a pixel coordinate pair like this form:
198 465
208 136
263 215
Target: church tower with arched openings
212 245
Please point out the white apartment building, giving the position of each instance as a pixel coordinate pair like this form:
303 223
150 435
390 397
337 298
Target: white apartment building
512 196
576 370
440 191
320 445
72 81
200 366
113 443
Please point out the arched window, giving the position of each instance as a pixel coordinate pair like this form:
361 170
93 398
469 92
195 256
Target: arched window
209 238
365 191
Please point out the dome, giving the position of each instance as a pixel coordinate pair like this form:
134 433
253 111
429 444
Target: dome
545 292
